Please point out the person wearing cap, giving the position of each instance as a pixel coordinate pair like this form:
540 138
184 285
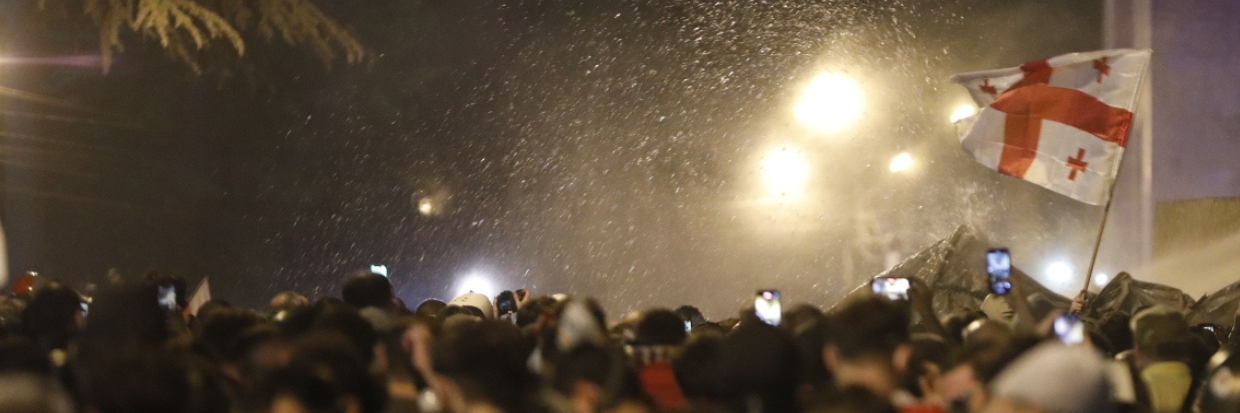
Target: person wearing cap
476 301
1160 355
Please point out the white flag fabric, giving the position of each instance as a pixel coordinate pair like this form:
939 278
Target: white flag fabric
1061 123
202 294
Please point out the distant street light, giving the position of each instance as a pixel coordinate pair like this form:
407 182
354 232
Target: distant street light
1059 272
426 206
901 163
1101 279
785 171
477 283
830 102
963 111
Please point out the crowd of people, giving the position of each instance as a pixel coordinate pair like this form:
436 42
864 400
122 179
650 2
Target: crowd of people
135 348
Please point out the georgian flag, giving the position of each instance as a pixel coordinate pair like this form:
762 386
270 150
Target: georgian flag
1061 123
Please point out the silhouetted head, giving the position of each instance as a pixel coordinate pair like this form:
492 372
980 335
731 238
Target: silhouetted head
367 289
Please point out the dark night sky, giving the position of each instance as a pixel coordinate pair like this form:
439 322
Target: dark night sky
605 148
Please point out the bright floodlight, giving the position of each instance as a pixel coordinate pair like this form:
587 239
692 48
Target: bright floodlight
901 162
831 102
1059 272
1101 279
476 283
426 206
963 111
785 171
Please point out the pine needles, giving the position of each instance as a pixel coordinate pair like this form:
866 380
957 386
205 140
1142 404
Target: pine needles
186 27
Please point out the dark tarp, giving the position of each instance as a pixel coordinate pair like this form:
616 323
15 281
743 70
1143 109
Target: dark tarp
1127 295
955 269
1218 307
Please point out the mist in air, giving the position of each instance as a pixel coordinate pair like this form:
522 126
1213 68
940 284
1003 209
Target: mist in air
647 153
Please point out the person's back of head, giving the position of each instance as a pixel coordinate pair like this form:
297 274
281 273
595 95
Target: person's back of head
367 289
869 343
124 317
332 316
429 308
927 361
800 317
331 355
486 363
598 379
530 313
758 364
1056 378
219 333
956 323
869 326
691 314
984 330
158 381
697 366
1160 333
660 328
53 315
286 302
1115 326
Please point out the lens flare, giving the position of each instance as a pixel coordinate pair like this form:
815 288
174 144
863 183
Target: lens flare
963 111
785 171
1101 279
1059 272
478 283
830 103
901 163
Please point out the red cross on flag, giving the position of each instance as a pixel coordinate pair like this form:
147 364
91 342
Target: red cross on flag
1061 123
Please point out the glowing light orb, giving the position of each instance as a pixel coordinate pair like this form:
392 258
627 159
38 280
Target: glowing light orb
785 171
963 111
1059 272
477 283
426 206
901 163
1101 279
830 102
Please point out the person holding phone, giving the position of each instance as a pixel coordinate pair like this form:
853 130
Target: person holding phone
874 351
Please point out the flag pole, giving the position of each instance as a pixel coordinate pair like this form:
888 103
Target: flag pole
1106 212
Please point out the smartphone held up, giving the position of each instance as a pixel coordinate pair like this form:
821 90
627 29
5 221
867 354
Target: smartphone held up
999 267
895 289
506 303
767 307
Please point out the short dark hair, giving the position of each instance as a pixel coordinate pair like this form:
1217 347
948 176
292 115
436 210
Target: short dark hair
660 327
430 307
759 362
1114 326
487 360
367 289
329 315
691 314
1161 333
220 332
869 326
